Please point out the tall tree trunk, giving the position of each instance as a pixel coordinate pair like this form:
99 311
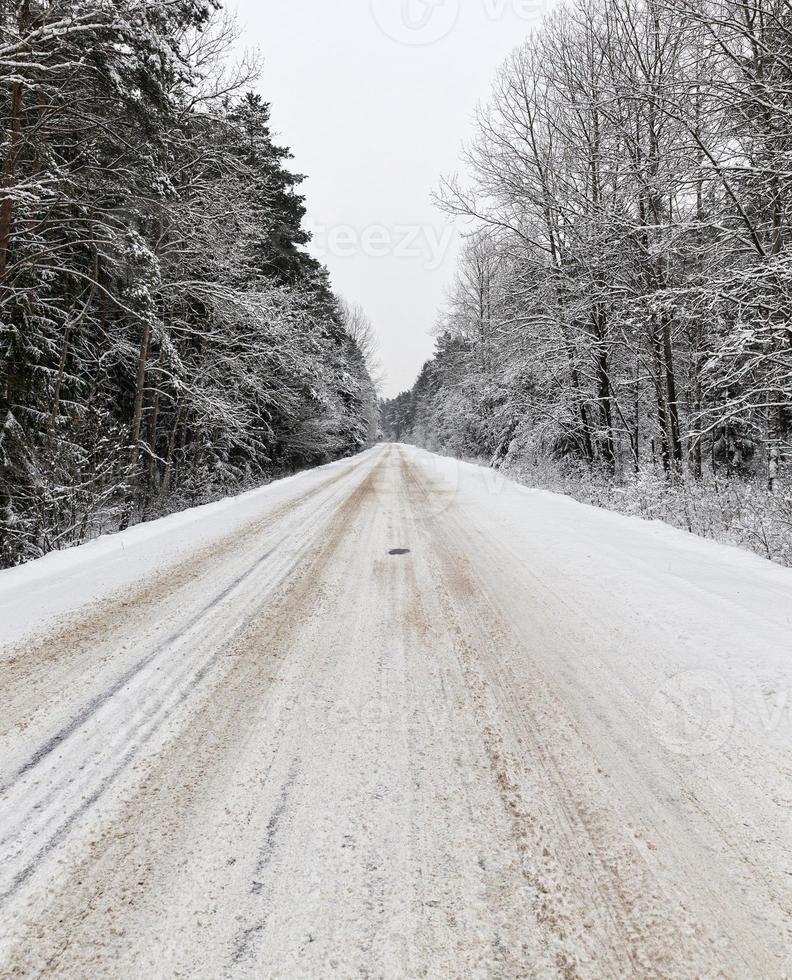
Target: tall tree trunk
604 392
577 397
153 470
137 422
9 176
656 344
15 146
696 448
674 435
167 478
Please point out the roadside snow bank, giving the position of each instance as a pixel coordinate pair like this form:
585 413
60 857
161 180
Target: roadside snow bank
583 536
63 581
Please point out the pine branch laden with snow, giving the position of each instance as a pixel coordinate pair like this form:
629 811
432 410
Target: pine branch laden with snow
164 336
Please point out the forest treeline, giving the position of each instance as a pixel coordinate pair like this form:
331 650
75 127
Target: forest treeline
621 323
164 335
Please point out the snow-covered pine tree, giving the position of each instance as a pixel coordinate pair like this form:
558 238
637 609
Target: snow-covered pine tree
162 329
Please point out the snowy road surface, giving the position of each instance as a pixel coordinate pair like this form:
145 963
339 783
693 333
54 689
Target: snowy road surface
247 741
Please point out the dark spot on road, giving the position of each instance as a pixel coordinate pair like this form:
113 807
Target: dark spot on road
399 551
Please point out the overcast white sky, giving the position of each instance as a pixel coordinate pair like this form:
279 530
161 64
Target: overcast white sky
375 98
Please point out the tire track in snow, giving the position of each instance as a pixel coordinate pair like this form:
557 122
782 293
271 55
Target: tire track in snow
130 608
533 734
244 943
29 815
389 774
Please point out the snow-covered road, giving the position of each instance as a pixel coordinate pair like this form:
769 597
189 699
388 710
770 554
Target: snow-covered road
248 741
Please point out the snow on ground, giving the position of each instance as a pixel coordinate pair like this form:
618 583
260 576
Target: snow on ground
578 532
34 595
546 741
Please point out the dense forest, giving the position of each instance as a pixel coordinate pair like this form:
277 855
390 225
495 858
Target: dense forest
164 334
621 323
